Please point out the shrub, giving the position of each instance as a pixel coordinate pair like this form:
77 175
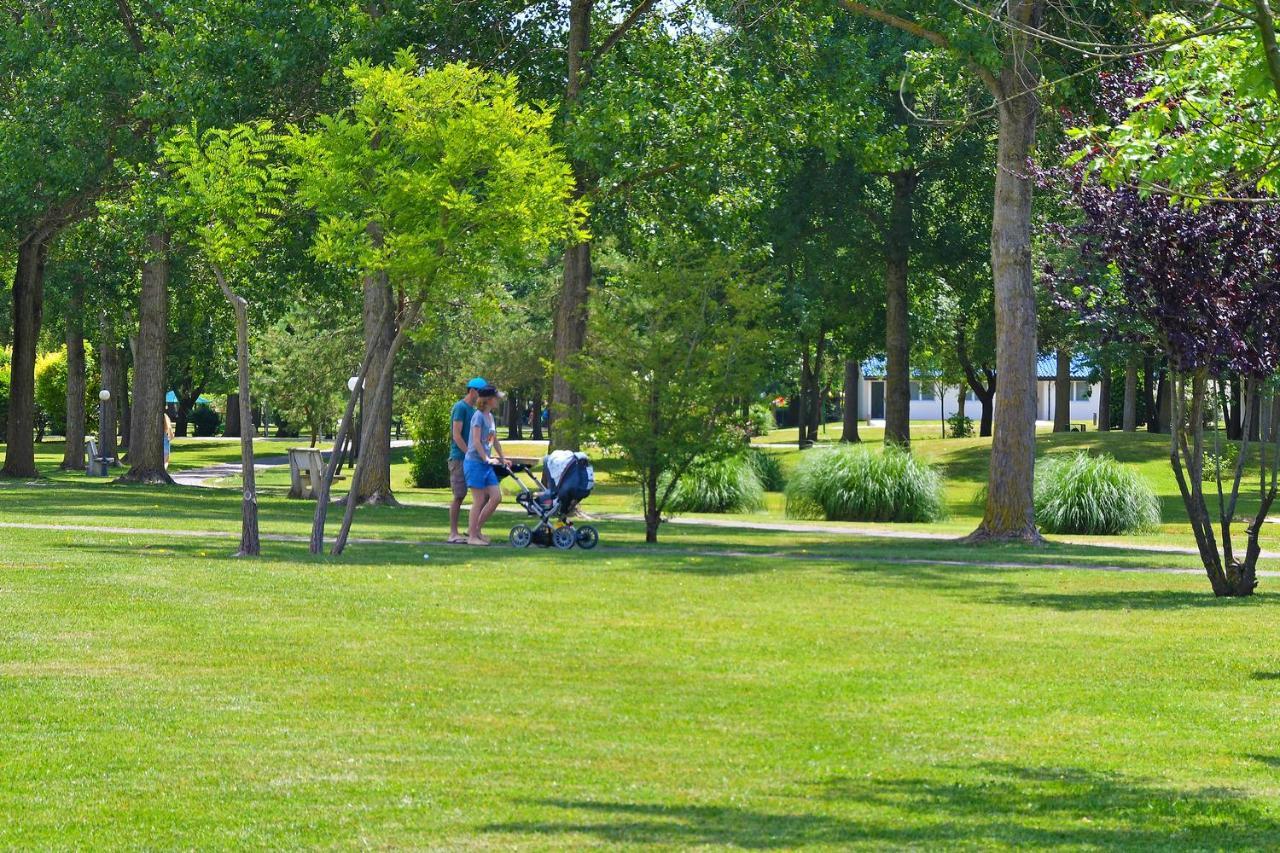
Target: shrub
961 425
431 431
51 387
204 420
768 469
759 419
1225 459
855 483
727 484
1093 494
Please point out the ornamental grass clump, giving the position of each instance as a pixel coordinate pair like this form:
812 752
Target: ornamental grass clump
768 469
1094 495
855 483
727 484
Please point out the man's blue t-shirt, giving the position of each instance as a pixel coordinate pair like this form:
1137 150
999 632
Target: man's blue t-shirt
462 412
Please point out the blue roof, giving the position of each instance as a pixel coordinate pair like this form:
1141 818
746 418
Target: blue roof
172 398
1046 367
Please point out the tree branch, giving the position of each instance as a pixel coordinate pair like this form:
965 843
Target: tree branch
131 26
633 18
934 38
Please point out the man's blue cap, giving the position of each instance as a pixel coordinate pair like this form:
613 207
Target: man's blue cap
477 383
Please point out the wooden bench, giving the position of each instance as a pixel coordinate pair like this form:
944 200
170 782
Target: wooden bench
95 465
306 467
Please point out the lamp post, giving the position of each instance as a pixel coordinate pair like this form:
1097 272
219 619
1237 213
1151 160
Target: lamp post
104 396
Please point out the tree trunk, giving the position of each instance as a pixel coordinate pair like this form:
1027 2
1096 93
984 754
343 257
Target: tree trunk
1010 511
124 408
28 306
183 419
1062 393
1130 422
802 398
1231 410
536 426
852 385
231 429
381 394
1164 415
1149 394
817 417
249 541
73 452
513 417
1104 403
652 518
570 329
897 340
984 393
146 432
372 482
570 334
109 365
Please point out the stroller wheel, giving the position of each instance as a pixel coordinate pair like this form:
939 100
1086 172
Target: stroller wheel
564 538
520 536
588 536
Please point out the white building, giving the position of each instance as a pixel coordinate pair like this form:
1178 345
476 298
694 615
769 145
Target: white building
931 401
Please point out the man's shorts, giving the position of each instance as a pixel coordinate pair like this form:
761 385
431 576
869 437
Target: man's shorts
479 474
457 479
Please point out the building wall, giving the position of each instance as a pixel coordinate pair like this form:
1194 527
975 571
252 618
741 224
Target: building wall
931 410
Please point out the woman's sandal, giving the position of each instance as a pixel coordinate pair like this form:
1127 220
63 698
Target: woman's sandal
480 543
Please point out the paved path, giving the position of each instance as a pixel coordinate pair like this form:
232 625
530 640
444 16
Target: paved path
207 477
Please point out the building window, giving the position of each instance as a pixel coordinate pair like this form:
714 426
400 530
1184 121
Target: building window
1081 392
922 392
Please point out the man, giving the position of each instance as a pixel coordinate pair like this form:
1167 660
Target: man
460 424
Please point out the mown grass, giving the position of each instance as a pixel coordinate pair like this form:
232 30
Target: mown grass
158 693
730 688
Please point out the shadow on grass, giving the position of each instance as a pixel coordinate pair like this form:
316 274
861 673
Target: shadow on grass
988 805
1138 599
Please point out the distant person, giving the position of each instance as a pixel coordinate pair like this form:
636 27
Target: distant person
168 439
486 494
460 424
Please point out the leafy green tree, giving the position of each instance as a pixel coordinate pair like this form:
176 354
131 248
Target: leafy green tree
305 364
675 345
439 182
229 188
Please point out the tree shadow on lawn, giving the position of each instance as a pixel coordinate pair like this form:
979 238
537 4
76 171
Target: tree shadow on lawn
1149 599
992 804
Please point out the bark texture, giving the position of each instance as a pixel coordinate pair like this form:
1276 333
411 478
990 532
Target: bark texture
372 482
28 307
377 393
146 432
250 544
73 452
1104 401
852 386
1129 422
897 369
1010 511
1062 393
570 330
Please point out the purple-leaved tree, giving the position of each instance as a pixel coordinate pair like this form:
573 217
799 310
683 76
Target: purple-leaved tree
1205 279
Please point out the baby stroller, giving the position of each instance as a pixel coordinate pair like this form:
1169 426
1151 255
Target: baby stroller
572 479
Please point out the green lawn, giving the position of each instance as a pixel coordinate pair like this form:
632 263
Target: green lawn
730 688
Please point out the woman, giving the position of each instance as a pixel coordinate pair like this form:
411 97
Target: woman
168 439
477 465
